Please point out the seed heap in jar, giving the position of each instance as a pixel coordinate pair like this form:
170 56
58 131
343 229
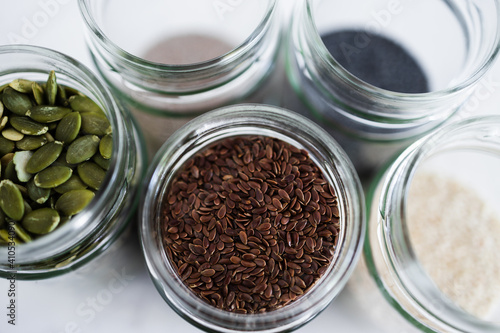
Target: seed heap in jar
250 223
55 149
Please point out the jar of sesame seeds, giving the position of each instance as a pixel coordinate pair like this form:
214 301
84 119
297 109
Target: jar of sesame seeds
252 219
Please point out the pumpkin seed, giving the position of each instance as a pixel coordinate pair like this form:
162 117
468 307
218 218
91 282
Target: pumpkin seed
68 128
84 104
10 172
73 202
73 183
31 142
95 123
27 126
20 161
6 146
21 233
44 157
41 221
38 93
21 85
27 207
52 176
12 135
11 200
2 219
62 97
51 88
47 114
82 149
91 174
6 159
37 194
4 235
1 109
101 161
106 146
16 102
49 137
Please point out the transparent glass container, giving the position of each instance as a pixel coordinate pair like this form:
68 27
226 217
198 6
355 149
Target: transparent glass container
95 228
252 119
172 60
379 74
395 272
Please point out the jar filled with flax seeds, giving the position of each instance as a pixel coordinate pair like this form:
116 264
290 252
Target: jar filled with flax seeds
252 220
431 257
379 74
173 60
78 237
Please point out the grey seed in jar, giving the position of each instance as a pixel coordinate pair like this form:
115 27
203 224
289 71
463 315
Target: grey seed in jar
82 149
68 128
16 102
11 200
73 202
27 126
52 176
95 123
41 221
44 156
91 174
84 104
47 114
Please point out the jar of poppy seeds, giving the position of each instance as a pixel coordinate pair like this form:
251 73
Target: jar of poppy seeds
172 60
90 232
379 74
252 219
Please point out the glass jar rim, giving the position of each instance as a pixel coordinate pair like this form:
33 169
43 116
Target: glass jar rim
86 223
153 191
394 238
223 60
392 96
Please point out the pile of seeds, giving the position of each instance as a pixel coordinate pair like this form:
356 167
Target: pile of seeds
250 223
55 148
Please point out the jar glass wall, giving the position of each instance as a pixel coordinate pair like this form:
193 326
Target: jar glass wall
243 120
431 253
379 74
173 60
94 229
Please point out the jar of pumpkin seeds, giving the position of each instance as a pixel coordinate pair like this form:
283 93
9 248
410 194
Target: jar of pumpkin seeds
82 176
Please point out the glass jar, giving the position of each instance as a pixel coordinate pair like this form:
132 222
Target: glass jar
94 229
252 119
379 74
396 273
172 60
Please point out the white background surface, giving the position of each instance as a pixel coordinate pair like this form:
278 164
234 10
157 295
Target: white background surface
114 293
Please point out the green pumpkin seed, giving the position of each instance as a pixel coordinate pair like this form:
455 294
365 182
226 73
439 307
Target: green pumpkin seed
4 235
49 137
1 109
73 183
21 233
44 157
95 123
6 159
84 104
106 146
52 176
12 135
21 85
41 221
10 172
31 142
11 200
6 146
38 93
16 102
51 88
3 86
3 121
91 174
68 128
62 97
101 161
20 161
37 194
47 114
82 149
27 126
73 202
